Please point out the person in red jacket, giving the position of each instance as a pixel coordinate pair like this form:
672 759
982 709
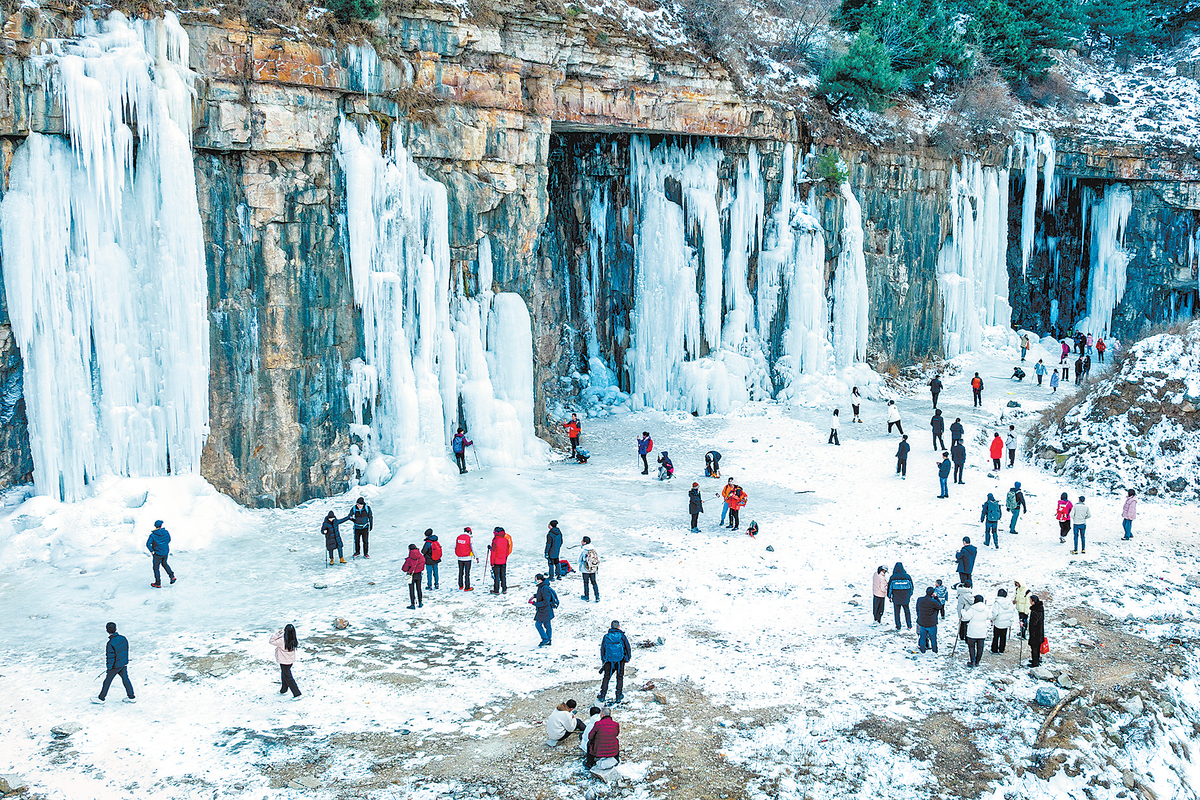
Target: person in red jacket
498 552
464 552
414 565
573 428
997 451
603 741
737 501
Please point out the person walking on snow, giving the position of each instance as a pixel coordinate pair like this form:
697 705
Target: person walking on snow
1062 513
944 474
1036 629
1039 369
573 429
996 450
464 552
964 596
834 424
1021 597
938 424
544 602
666 469
958 455
695 506
159 545
902 457
928 609
589 565
333 537
414 566
1010 444
893 417
645 446
1054 381
1066 351
1129 510
965 560
1004 616
1080 514
879 584
363 521
978 617
459 445
286 644
553 551
977 390
1014 502
900 589
990 517
431 551
855 404
498 552
712 464
935 389
726 490
1100 348
116 663
615 653
956 431
1078 369
737 501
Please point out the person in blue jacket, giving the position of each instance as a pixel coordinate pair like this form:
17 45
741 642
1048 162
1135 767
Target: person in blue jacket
459 445
544 603
900 589
965 560
116 662
159 545
554 541
944 473
614 652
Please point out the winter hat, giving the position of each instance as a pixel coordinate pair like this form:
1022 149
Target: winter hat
428 532
362 501
466 530
991 496
695 484
615 624
497 529
1002 593
412 547
978 598
1016 484
158 522
539 577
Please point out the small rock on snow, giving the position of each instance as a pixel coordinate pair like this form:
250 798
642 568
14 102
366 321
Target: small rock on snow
307 782
1046 696
11 783
1134 705
66 729
1042 673
1070 622
341 624
320 586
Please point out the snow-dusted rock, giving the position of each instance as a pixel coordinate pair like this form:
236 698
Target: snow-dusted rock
1043 673
11 783
65 729
1134 705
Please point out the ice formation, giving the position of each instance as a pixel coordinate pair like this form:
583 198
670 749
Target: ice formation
427 347
851 315
1108 258
600 376
1028 148
103 261
972 265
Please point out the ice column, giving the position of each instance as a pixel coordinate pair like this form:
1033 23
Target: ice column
104 262
598 212
1108 259
850 299
972 264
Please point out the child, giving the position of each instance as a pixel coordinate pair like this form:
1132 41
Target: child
753 529
942 594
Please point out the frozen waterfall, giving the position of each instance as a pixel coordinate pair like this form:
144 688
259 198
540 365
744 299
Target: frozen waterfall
103 261
851 315
427 346
1108 258
1028 147
972 263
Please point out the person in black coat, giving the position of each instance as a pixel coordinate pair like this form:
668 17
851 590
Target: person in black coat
1036 629
544 602
333 539
902 457
958 455
900 589
712 464
364 521
938 424
695 506
928 610
554 541
956 431
116 661
935 388
965 559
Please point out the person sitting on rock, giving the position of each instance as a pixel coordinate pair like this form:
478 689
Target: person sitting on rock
562 723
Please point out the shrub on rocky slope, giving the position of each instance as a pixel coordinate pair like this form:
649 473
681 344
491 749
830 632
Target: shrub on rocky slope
1136 427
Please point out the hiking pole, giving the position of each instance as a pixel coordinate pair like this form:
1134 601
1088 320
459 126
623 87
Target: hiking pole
954 649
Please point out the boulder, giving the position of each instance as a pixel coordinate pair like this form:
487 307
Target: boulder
11 783
1046 696
1043 673
1070 622
341 624
1064 680
1111 99
1134 706
65 729
307 781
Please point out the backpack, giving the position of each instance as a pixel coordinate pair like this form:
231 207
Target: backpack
649 443
592 559
457 445
1010 502
564 567
435 551
462 547
614 647
993 511
976 383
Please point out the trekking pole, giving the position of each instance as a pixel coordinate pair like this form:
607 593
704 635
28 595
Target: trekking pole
954 649
1020 652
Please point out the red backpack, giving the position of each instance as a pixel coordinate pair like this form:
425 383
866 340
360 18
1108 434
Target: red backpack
462 548
435 551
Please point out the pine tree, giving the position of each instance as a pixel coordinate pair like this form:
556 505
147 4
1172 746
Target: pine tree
863 76
1124 24
1015 34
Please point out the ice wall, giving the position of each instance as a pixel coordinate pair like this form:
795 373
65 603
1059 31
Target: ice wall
851 315
972 264
1028 148
432 349
1108 258
103 262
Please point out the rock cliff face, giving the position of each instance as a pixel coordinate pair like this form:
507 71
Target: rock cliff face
518 121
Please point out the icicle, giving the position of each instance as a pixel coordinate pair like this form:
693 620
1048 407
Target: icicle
1045 146
599 374
851 316
363 59
1028 198
745 233
1108 259
104 264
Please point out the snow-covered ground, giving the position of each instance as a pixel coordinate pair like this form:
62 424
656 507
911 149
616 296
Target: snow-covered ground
781 640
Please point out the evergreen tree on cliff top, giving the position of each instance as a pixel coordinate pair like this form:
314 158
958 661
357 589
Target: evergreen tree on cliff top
919 35
861 77
1015 35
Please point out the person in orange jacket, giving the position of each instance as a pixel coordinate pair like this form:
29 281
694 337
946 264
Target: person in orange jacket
726 490
997 451
737 501
573 429
498 552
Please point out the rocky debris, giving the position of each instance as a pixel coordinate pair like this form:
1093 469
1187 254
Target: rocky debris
1043 673
660 699
1066 682
1134 705
320 586
341 624
1046 696
304 782
11 783
65 729
1070 622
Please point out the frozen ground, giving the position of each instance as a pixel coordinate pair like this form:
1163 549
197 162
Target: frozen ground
775 683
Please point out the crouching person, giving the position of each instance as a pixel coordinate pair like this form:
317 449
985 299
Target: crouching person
562 723
604 747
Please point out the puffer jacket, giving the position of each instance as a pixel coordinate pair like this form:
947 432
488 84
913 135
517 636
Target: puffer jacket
1004 613
997 447
282 656
415 563
879 585
603 741
159 542
977 617
1021 601
1129 510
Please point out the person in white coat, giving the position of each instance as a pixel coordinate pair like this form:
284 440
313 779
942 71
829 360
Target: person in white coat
834 423
562 723
977 617
1004 616
1080 514
893 417
964 595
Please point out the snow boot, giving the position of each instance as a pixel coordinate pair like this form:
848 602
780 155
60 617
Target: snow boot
173 579
331 562
97 701
129 699
411 607
343 561
156 585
